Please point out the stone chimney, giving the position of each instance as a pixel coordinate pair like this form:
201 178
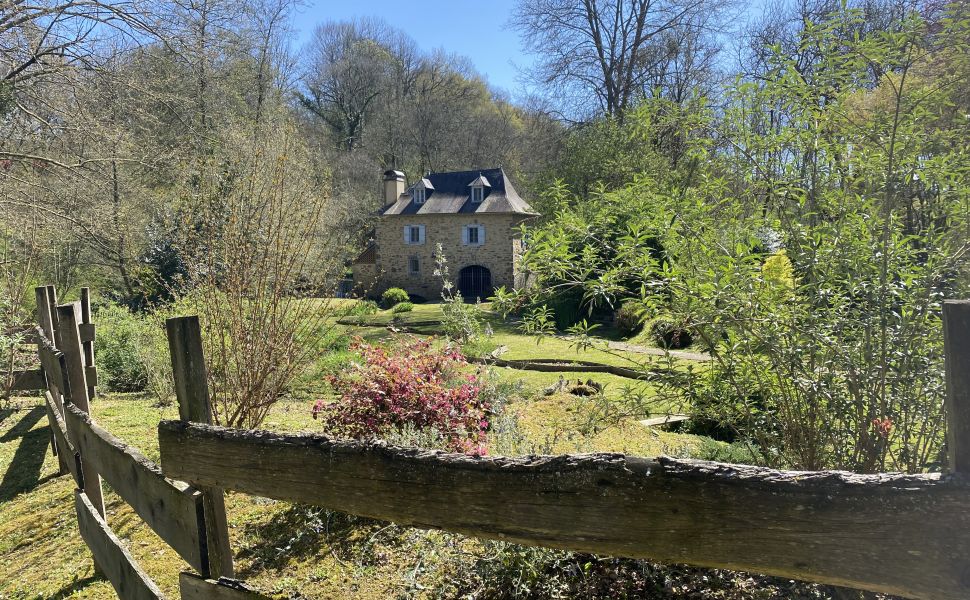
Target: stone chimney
393 186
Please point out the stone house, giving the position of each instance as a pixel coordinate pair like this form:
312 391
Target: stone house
474 215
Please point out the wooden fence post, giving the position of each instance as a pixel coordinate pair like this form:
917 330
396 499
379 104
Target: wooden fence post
52 303
45 321
956 349
192 390
88 344
68 316
44 318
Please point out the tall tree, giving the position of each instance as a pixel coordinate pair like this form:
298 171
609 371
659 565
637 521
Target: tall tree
600 56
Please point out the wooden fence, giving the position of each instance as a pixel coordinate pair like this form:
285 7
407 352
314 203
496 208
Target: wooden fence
192 520
899 534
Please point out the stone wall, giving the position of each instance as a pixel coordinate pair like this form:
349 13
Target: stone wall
497 254
365 279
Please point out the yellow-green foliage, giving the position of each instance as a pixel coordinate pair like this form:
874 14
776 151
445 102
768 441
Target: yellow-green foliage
778 271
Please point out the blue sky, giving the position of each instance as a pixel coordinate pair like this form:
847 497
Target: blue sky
472 28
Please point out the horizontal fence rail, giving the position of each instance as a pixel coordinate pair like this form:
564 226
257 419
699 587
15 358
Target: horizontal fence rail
32 379
897 534
64 448
172 509
193 587
127 578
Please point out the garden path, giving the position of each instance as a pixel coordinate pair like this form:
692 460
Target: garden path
683 354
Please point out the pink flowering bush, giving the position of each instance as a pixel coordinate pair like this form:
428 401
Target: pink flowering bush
408 385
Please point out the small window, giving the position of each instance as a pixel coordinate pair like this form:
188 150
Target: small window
413 234
477 193
419 195
414 265
473 235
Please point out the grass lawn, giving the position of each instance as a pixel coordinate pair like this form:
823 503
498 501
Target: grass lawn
425 319
278 546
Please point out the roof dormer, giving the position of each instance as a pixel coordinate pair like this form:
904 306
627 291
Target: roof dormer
478 186
421 190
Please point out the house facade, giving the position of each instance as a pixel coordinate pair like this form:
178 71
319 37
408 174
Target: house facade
474 215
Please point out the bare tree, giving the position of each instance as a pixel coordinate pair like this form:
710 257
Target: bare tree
350 69
598 56
259 251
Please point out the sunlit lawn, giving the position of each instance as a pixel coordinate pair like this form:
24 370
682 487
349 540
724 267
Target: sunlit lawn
425 319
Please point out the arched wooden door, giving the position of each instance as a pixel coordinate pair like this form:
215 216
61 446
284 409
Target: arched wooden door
475 282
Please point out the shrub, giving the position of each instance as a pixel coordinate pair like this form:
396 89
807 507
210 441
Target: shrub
667 333
460 321
412 385
742 453
402 307
479 347
10 359
260 214
119 333
393 296
364 308
629 319
778 272
132 352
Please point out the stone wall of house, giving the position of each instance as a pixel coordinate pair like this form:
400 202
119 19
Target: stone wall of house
365 279
497 254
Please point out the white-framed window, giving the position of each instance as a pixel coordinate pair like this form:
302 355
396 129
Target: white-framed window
478 192
473 235
414 265
414 235
419 194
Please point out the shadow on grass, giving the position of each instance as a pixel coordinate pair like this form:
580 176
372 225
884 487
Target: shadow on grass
300 531
74 587
23 474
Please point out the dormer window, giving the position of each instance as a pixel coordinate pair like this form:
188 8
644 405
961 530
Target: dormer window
478 186
421 190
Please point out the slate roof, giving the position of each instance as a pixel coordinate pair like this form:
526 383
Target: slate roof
451 194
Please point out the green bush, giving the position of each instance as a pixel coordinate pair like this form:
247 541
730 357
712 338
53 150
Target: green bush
478 347
629 319
132 352
402 307
364 308
741 453
393 296
119 334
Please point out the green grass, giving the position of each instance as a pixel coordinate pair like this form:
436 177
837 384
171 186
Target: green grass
41 555
425 319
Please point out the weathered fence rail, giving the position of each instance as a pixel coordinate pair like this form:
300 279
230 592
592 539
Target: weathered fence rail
172 509
111 556
900 534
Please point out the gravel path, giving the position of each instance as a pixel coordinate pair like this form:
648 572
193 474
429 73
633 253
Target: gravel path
683 354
